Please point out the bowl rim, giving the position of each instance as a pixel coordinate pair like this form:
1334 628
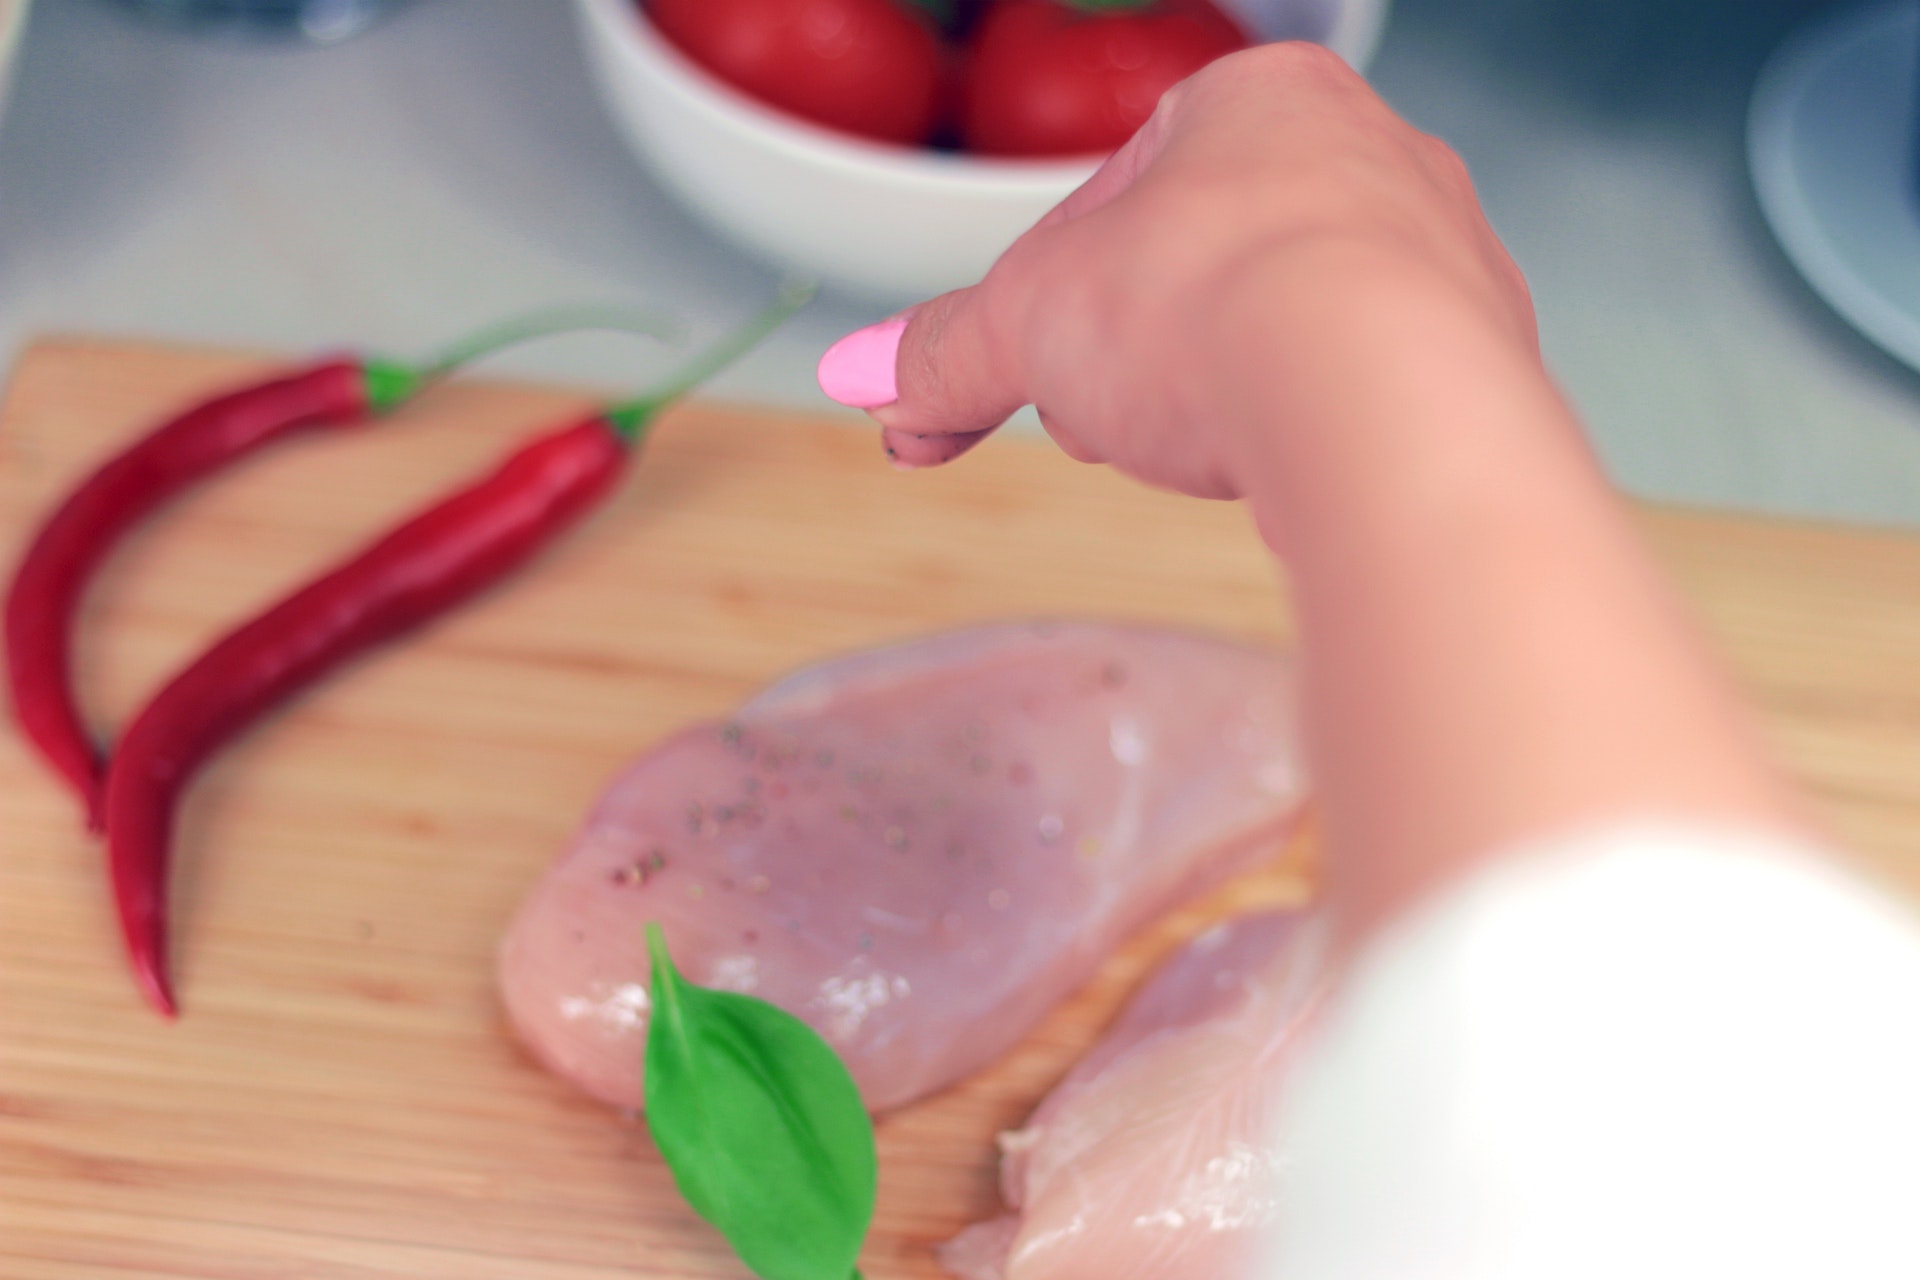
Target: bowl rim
626 23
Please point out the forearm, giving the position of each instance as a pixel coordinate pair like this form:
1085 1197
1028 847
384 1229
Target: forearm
1489 652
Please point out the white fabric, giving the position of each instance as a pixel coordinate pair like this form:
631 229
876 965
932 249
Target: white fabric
1646 1053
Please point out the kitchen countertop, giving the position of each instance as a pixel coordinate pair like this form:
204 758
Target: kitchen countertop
452 166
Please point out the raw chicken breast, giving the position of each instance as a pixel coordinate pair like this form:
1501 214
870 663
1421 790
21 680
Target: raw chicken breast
1157 1157
919 850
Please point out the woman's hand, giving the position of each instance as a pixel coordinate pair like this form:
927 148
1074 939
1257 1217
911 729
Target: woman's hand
1270 188
1281 292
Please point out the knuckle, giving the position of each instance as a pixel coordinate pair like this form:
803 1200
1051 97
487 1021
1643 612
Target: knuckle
1174 99
1300 60
1260 67
1445 163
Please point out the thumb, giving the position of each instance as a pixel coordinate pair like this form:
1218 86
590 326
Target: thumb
937 370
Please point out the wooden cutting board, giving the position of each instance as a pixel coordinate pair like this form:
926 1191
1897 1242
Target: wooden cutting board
341 1099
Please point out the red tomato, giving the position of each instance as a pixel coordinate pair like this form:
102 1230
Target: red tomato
1046 78
870 67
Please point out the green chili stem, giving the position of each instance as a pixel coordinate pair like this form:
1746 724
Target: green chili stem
630 419
544 323
390 382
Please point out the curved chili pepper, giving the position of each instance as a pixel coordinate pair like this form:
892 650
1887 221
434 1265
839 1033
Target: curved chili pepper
71 545
414 573
84 529
418 571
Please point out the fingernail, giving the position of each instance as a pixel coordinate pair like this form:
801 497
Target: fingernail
858 370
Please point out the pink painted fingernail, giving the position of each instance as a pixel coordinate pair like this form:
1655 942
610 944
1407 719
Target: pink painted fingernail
858 370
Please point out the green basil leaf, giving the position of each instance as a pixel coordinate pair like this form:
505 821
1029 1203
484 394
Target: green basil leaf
761 1124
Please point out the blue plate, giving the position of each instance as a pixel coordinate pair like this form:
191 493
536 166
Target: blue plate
1831 143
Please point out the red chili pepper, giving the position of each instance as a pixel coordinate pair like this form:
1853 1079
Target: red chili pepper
54 574
417 571
72 544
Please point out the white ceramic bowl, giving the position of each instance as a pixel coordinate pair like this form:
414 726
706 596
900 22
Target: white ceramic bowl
892 223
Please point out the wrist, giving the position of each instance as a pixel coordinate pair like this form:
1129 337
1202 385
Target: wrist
1353 380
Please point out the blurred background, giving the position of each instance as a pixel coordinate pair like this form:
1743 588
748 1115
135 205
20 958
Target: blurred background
452 163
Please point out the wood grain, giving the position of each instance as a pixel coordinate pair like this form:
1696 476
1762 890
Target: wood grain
340 1100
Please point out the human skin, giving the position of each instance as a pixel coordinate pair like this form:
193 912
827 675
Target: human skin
1280 292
